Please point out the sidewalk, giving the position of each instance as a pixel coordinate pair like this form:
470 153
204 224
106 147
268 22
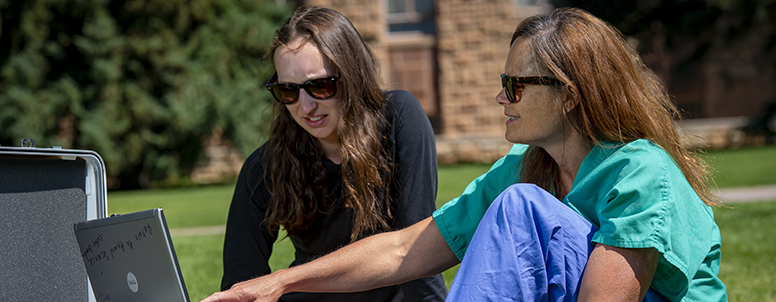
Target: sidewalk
728 196
199 231
758 193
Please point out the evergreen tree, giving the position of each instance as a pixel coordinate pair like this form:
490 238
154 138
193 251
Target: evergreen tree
141 82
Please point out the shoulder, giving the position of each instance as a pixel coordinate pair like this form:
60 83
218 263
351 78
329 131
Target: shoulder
635 175
615 171
643 147
639 154
399 96
257 154
402 109
253 164
401 101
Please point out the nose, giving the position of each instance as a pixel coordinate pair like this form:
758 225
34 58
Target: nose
501 98
308 103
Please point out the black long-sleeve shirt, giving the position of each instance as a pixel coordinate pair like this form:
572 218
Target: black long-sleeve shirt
248 242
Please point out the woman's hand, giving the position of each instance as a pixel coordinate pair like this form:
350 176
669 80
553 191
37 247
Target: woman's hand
262 289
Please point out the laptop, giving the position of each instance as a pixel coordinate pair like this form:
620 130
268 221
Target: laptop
130 257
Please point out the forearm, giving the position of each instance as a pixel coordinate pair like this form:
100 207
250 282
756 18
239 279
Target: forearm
380 260
377 261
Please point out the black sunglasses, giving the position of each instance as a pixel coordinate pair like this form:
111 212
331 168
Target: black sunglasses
510 84
288 93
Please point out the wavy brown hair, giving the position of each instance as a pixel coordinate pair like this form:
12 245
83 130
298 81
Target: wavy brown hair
293 158
621 99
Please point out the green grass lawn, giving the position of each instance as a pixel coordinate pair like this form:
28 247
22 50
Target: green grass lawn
743 167
748 245
748 259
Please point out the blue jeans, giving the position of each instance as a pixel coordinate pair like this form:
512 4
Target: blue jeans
529 246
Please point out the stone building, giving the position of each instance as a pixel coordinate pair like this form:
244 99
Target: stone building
449 54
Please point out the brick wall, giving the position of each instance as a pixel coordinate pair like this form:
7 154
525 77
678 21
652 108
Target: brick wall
472 45
473 42
368 18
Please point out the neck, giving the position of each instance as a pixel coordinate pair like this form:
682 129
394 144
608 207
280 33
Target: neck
569 155
332 151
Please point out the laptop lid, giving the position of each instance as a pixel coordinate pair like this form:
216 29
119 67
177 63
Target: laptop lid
130 257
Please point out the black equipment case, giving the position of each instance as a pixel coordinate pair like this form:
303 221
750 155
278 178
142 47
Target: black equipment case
43 192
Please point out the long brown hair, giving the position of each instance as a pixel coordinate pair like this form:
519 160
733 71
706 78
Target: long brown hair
293 158
621 99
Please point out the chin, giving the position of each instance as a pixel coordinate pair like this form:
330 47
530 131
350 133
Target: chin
511 139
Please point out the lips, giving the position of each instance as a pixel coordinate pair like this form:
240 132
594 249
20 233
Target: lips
316 121
511 118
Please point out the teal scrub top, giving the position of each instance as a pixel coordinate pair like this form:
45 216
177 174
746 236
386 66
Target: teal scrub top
638 198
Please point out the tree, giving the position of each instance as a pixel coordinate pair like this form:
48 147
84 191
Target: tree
141 82
716 56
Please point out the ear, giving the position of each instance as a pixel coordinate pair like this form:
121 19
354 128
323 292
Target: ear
572 98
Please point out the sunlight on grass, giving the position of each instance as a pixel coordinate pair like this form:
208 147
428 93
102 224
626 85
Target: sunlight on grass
183 207
748 245
743 167
199 258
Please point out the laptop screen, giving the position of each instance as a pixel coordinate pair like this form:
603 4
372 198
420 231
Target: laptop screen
130 257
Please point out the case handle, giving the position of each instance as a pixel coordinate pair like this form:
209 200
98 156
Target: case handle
28 143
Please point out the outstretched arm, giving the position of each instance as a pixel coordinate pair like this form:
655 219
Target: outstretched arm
380 260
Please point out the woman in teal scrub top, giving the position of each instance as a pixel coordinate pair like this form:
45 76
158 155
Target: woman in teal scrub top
596 134
597 200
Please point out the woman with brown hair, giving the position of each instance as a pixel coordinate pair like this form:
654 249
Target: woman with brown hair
344 159
596 201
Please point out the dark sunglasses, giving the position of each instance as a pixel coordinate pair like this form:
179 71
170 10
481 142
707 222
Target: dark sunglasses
510 84
288 93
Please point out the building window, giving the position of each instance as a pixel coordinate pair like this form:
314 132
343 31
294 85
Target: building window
411 16
411 46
